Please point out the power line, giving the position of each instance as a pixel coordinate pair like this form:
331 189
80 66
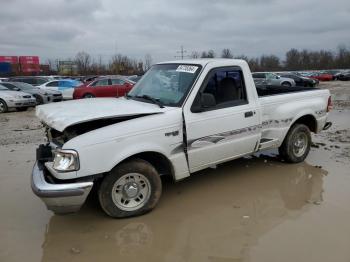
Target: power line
182 53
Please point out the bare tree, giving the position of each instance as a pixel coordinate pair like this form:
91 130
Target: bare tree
209 54
148 62
195 55
226 53
83 61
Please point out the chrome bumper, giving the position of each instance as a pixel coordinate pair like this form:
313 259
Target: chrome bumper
59 198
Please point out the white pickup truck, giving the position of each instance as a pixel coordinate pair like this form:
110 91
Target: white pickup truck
181 117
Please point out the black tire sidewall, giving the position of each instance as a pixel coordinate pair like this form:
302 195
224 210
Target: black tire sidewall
39 100
5 106
88 95
287 84
132 166
286 150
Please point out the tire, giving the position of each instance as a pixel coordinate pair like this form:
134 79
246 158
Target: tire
88 96
21 109
286 84
143 193
296 145
39 100
3 106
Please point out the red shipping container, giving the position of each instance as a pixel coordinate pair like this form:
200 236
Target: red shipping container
29 60
9 59
30 68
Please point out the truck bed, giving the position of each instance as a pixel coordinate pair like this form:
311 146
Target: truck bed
281 106
276 90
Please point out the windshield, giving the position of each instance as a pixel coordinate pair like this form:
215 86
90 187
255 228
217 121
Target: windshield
3 87
24 86
166 83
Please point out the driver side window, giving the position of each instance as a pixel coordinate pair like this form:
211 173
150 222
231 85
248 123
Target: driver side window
224 87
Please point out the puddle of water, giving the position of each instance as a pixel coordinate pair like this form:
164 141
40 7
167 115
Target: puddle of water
215 215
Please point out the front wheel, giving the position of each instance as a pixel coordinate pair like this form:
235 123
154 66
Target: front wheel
296 145
3 106
133 188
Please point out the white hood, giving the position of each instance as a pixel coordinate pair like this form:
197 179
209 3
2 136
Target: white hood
64 114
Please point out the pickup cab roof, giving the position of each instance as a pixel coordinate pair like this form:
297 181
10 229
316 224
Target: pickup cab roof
205 61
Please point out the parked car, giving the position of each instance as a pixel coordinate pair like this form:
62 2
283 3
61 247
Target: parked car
42 96
134 78
300 80
321 76
104 87
333 73
65 86
33 80
271 79
206 113
13 99
344 76
2 79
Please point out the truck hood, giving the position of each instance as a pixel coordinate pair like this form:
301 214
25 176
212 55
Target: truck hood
64 114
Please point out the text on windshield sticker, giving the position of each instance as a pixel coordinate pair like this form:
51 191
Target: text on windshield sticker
187 69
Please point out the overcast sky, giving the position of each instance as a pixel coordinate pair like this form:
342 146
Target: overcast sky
61 28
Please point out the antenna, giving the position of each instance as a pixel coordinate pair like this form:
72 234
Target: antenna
182 53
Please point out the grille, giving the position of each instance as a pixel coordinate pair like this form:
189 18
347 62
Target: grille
57 95
27 96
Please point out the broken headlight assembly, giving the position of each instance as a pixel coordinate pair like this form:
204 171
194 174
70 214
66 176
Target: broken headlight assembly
65 160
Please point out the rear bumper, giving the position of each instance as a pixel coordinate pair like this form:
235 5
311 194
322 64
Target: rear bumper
59 198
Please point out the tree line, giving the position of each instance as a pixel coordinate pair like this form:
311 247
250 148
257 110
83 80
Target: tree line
84 64
294 59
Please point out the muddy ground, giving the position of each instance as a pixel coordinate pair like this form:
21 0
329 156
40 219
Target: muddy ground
253 209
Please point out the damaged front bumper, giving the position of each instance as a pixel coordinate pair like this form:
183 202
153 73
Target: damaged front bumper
58 197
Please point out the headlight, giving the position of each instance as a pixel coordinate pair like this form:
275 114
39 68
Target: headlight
66 160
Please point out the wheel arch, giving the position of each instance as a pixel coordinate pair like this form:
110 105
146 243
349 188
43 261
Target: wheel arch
309 120
158 160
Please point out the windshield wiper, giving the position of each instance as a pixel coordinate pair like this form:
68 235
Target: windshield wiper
149 98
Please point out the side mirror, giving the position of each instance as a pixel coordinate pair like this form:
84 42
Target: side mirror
207 100
17 89
278 77
203 101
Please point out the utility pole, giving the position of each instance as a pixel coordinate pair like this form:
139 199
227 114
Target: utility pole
182 53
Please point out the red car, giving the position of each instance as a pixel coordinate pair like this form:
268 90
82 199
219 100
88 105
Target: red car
104 87
322 76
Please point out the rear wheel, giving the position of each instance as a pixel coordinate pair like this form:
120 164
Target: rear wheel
3 106
133 188
88 96
296 145
286 84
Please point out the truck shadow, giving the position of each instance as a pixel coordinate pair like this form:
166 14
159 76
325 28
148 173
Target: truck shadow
216 214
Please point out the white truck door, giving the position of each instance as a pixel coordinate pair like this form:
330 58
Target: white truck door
222 123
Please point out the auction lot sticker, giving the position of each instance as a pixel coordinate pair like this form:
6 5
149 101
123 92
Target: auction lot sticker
187 69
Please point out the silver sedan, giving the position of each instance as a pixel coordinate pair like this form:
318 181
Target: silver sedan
15 99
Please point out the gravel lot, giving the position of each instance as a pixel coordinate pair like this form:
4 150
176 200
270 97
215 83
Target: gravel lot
252 209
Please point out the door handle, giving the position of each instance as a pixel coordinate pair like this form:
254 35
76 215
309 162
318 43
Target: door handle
248 114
